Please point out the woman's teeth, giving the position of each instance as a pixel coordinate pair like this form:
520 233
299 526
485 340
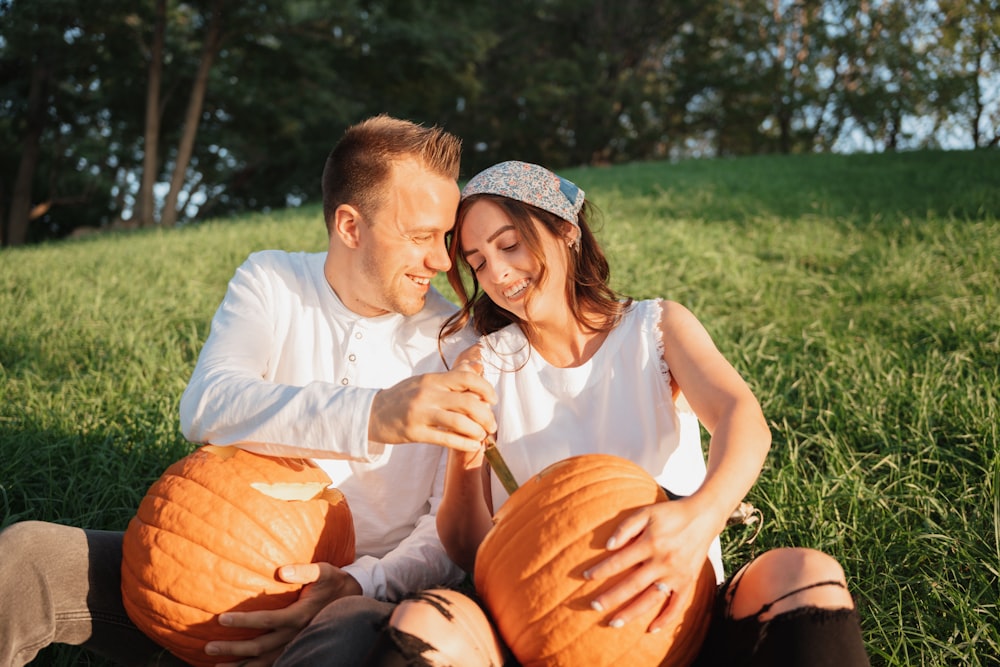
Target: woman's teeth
516 289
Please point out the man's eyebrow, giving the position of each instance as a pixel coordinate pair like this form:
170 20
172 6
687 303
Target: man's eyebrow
466 253
419 231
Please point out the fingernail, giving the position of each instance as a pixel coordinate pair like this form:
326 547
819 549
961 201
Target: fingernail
653 631
612 541
586 575
617 623
211 650
224 619
596 606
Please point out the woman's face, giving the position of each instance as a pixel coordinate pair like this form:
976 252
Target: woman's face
506 268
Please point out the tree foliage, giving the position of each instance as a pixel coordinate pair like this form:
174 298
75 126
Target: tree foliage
119 114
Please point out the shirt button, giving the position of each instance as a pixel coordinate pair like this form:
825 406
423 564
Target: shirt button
353 357
358 335
344 381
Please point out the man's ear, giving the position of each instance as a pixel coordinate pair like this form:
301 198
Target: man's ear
346 225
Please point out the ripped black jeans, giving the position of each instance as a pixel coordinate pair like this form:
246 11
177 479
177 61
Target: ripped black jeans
807 636
800 637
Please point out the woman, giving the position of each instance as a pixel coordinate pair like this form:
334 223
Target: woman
568 358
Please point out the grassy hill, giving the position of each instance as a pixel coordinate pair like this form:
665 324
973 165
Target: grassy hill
859 295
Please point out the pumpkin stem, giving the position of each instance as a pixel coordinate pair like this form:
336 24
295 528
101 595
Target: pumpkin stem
500 466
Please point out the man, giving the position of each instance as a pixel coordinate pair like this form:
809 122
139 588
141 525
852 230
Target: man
332 356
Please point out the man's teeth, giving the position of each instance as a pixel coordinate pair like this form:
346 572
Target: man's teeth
421 281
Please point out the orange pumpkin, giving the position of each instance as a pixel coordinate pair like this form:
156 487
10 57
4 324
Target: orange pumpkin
210 535
529 570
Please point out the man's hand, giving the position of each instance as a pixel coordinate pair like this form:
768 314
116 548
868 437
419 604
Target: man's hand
323 583
450 409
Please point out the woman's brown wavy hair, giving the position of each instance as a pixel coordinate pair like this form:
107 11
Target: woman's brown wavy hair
592 301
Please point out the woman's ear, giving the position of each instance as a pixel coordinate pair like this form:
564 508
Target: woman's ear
572 236
346 224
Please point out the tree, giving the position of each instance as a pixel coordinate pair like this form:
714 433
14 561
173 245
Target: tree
68 142
969 53
243 100
34 122
569 82
145 208
209 51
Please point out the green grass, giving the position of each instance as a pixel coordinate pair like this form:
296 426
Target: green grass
859 295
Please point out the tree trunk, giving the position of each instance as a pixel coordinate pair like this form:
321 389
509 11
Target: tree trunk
3 221
20 202
151 138
213 40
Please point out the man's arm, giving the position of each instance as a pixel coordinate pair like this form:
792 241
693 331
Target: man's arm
230 399
418 562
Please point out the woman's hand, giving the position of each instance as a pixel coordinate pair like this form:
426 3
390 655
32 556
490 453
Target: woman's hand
666 544
323 583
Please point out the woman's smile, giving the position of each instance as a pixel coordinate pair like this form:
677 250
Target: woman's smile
516 290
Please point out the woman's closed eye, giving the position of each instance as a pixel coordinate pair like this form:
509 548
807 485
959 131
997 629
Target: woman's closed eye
479 266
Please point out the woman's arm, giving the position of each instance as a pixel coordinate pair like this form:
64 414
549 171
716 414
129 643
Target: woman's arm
665 544
740 437
463 518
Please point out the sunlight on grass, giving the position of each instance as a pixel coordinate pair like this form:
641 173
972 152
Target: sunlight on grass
857 294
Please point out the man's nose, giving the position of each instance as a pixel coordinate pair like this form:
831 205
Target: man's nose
437 258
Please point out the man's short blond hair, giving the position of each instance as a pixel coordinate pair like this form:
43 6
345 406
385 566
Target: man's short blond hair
359 167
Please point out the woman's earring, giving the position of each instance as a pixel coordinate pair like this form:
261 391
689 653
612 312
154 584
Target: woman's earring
574 244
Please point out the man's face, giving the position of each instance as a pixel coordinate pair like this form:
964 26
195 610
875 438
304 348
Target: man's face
401 246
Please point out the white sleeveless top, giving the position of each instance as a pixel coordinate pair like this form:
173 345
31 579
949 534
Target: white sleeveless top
618 402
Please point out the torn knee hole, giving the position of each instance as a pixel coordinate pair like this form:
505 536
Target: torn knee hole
409 646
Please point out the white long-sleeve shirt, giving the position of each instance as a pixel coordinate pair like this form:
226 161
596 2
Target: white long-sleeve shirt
289 370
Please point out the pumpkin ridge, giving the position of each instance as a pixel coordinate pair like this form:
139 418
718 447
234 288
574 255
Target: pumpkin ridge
571 468
538 524
550 650
524 506
239 505
258 580
546 565
204 541
151 613
203 529
189 506
342 550
190 646
704 587
646 644
204 477
529 571
189 628
537 518
557 491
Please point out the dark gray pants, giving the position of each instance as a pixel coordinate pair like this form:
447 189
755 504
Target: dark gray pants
340 636
62 585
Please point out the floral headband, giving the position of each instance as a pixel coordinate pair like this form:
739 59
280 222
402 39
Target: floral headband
531 184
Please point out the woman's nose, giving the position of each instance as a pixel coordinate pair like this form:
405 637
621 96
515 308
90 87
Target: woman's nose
497 270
